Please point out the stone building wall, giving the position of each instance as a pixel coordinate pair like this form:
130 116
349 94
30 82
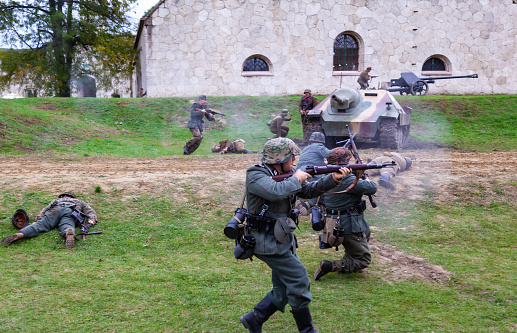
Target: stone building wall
192 47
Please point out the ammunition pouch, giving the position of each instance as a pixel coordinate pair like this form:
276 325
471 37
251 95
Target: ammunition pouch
78 216
260 223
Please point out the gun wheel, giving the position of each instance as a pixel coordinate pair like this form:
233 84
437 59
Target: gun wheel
419 87
392 135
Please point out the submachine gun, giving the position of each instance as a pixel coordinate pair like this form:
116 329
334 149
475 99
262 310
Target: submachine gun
80 218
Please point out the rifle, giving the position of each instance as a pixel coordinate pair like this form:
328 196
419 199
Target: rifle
84 230
215 112
329 168
358 160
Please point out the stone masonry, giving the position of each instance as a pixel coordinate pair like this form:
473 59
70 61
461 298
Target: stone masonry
188 47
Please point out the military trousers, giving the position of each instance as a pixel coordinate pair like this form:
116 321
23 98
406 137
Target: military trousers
58 217
194 143
357 253
284 130
291 283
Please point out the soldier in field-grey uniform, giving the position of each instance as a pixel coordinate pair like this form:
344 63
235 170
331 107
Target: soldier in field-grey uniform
269 204
198 110
58 214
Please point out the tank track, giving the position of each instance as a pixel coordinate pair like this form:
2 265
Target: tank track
391 135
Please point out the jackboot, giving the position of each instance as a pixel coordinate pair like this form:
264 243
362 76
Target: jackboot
325 267
253 320
384 181
70 238
303 320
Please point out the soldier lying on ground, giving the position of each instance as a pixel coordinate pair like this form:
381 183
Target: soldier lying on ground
227 146
403 164
58 214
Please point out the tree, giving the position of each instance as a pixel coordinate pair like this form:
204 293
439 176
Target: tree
56 38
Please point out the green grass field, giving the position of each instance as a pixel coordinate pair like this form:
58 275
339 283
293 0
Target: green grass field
164 265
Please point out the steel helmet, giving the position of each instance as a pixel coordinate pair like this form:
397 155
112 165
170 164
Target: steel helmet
20 218
317 137
408 163
279 150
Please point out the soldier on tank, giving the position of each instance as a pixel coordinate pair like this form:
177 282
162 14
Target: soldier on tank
345 224
198 110
403 164
276 127
364 78
58 214
270 206
307 103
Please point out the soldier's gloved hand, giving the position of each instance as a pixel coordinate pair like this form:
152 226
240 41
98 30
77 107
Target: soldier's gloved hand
338 176
301 176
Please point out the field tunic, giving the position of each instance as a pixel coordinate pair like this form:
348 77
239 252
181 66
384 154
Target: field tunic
280 196
196 117
291 284
352 222
314 154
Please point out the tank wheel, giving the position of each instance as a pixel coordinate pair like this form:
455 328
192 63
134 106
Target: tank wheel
391 134
420 87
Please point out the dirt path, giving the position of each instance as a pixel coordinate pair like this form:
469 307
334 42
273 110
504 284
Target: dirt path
439 171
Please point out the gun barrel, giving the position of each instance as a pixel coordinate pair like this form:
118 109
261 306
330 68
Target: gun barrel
472 76
324 169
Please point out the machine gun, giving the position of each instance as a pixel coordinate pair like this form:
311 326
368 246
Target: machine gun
409 83
84 230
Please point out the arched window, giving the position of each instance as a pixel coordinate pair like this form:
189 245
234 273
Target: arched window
346 53
256 65
436 64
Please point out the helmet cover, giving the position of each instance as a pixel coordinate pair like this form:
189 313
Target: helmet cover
339 155
279 150
317 137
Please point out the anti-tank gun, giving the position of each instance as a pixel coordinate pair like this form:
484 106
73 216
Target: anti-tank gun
409 83
374 115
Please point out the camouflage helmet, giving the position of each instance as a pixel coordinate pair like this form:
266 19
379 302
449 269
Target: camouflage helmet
317 137
339 155
69 194
20 219
408 163
279 150
307 91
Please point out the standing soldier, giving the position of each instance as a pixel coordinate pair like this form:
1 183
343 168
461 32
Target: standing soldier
58 214
276 124
403 164
307 103
198 110
345 224
270 206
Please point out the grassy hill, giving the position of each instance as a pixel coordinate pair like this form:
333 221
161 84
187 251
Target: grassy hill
163 264
154 127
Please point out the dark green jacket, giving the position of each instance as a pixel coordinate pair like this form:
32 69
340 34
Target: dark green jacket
354 222
280 197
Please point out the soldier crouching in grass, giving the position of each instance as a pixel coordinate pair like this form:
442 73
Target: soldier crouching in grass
270 206
58 214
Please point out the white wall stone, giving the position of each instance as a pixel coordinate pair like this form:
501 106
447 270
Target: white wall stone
199 47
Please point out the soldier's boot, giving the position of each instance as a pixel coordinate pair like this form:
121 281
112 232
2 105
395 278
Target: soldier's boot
11 239
185 150
303 320
324 245
261 312
303 207
384 181
70 238
325 267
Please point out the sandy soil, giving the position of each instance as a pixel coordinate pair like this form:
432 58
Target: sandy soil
444 172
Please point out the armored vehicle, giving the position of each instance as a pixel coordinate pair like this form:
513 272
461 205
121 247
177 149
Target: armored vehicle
374 115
